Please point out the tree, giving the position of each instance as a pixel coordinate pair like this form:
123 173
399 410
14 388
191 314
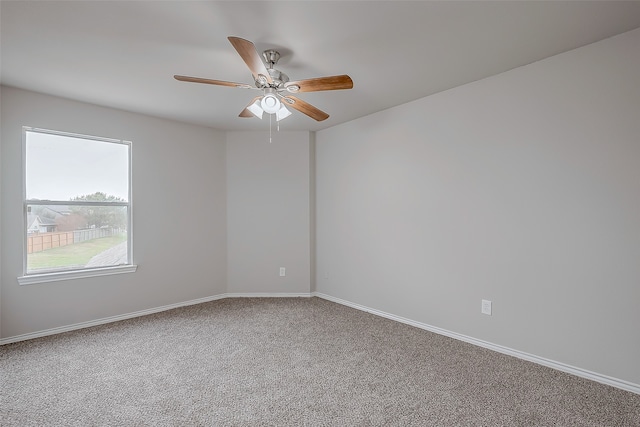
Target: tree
101 216
72 221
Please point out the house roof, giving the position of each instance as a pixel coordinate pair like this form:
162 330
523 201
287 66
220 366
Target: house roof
57 210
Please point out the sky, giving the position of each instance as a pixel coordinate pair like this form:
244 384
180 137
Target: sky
61 167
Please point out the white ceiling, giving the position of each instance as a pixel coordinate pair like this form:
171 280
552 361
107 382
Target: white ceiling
124 54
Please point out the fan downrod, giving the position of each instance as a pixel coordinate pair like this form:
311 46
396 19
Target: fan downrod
271 57
279 78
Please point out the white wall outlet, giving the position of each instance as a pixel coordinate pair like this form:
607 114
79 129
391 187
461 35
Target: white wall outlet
283 272
486 307
326 275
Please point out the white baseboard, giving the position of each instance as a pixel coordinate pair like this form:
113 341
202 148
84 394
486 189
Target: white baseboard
604 379
117 318
267 295
583 373
104 320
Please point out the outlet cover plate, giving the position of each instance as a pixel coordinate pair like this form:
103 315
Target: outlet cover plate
486 307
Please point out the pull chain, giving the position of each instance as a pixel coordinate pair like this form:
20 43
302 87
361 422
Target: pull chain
270 115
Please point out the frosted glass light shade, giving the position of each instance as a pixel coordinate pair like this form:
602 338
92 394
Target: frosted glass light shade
282 113
255 109
270 103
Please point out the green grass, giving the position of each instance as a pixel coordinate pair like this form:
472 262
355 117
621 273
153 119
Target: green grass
76 255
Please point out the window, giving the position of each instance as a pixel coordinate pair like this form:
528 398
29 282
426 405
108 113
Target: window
77 206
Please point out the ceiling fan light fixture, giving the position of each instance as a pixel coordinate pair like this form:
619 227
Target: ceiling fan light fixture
255 109
273 83
270 103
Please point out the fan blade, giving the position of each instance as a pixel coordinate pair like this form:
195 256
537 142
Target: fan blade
246 112
212 82
321 83
249 54
305 108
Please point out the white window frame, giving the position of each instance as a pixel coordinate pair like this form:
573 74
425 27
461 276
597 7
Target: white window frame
31 278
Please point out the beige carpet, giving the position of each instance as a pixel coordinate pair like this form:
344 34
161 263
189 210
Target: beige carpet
287 362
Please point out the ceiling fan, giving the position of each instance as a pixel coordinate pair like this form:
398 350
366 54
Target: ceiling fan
276 87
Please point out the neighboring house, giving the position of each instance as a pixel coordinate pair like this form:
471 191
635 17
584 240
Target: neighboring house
56 218
37 224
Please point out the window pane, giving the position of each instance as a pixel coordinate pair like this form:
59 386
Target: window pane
77 204
75 237
61 167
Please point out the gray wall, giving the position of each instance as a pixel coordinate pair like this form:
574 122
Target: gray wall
179 216
522 188
268 211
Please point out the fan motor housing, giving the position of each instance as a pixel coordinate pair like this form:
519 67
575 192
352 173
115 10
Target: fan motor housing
279 78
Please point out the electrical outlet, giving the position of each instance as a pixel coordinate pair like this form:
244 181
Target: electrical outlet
282 272
486 307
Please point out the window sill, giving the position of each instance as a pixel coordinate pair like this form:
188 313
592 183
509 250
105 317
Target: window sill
77 274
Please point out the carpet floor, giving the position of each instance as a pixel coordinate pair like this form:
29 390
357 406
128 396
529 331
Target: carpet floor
287 362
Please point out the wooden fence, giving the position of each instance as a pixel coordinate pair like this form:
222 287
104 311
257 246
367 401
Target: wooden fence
42 241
